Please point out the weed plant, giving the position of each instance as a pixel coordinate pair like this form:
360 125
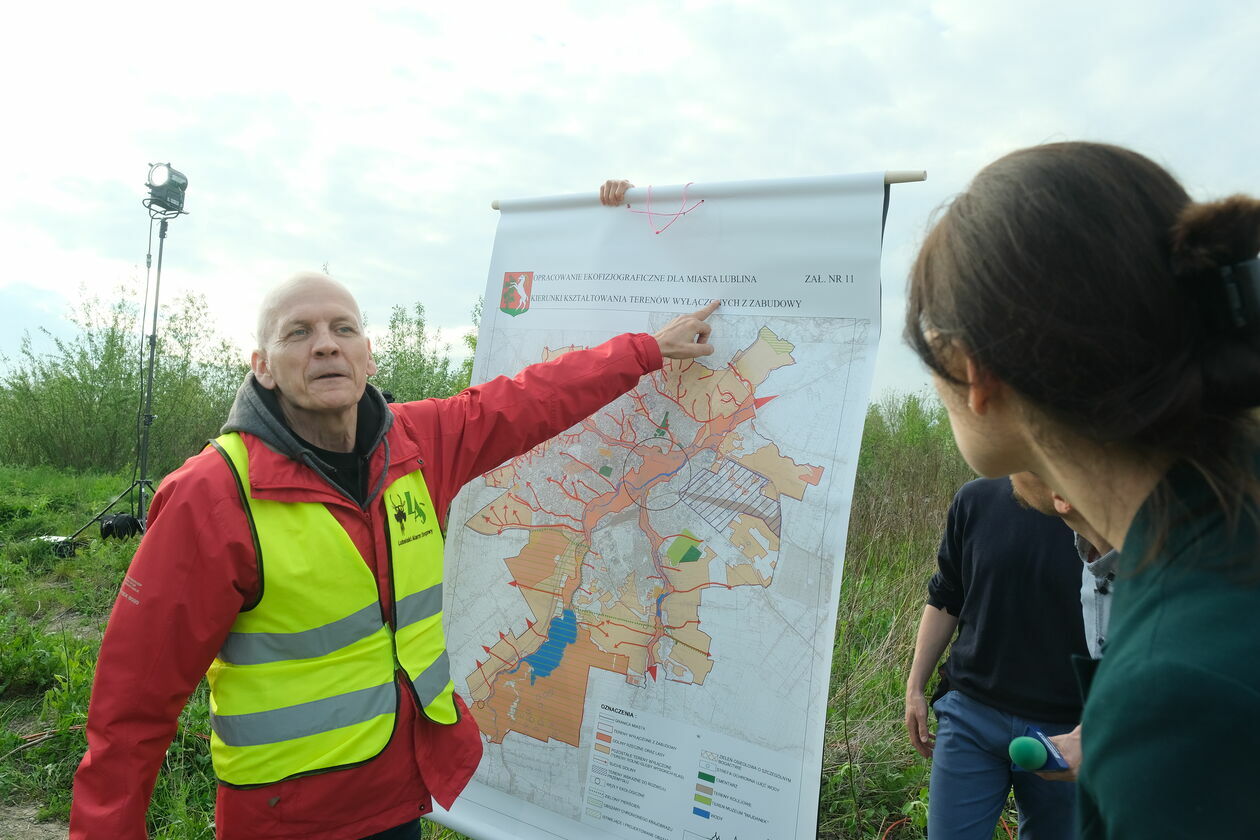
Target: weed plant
908 471
77 407
53 611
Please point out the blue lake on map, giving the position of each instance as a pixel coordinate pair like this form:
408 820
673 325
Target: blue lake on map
561 633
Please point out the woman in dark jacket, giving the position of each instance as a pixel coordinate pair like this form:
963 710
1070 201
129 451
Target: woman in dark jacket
1086 321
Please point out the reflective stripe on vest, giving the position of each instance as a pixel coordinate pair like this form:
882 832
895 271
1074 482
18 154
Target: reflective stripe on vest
304 719
305 680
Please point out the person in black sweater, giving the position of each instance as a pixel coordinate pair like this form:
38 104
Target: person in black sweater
1008 581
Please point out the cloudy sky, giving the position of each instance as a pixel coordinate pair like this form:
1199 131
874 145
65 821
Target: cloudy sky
372 136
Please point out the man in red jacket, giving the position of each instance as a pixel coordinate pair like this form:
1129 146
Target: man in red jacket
308 434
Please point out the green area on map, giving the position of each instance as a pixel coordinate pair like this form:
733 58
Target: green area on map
684 549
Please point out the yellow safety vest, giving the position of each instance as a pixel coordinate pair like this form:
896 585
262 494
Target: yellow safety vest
305 681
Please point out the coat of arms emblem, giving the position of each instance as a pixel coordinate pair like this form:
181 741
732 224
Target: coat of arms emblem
517 286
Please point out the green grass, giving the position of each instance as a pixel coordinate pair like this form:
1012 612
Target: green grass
53 611
908 471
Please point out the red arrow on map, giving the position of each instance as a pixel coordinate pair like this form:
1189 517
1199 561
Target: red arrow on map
758 403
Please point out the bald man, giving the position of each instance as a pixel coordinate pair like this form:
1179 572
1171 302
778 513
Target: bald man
297 563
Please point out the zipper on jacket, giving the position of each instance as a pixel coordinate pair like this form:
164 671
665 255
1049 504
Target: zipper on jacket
393 649
388 618
392 618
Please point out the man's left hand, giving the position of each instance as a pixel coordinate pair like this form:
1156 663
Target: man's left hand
687 336
613 192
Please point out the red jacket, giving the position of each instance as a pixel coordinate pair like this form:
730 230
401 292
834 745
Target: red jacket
195 569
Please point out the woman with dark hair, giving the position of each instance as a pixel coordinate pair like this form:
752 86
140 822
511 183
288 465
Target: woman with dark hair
1086 321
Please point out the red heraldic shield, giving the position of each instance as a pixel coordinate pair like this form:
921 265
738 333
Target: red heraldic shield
517 287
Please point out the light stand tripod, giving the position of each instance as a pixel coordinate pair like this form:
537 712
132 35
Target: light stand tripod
165 202
142 483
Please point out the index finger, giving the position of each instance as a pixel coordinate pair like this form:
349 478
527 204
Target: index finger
702 314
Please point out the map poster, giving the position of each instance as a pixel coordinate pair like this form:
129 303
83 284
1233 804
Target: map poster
641 611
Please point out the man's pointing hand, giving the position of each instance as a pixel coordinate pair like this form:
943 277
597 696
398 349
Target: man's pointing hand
687 336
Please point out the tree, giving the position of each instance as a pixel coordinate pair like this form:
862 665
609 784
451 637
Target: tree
470 341
411 364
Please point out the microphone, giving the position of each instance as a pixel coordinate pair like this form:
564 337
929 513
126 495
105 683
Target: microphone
1035 753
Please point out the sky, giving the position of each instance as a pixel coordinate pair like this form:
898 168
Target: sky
372 136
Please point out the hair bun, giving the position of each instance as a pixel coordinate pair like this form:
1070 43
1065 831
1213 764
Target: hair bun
1210 243
1209 236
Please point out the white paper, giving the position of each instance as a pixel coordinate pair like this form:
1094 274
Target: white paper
641 612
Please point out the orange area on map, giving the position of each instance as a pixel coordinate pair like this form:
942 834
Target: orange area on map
621 628
742 537
707 394
507 511
787 476
681 613
551 708
545 573
548 353
768 353
504 476
746 574
704 393
732 442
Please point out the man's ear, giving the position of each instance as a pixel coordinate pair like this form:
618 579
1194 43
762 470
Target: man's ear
982 386
262 371
1061 505
371 365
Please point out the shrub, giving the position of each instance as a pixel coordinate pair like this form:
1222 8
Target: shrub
78 406
29 660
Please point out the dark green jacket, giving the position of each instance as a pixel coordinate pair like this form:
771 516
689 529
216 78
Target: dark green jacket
1171 729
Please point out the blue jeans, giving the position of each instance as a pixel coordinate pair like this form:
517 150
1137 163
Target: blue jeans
971 776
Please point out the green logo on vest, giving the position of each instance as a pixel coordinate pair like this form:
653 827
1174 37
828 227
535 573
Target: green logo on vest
404 507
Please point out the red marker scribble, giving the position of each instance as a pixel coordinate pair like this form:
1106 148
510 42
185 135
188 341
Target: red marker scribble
683 209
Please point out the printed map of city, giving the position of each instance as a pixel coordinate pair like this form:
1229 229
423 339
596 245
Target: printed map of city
641 612
630 520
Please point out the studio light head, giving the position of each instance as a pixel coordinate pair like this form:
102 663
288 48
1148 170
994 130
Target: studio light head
166 187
